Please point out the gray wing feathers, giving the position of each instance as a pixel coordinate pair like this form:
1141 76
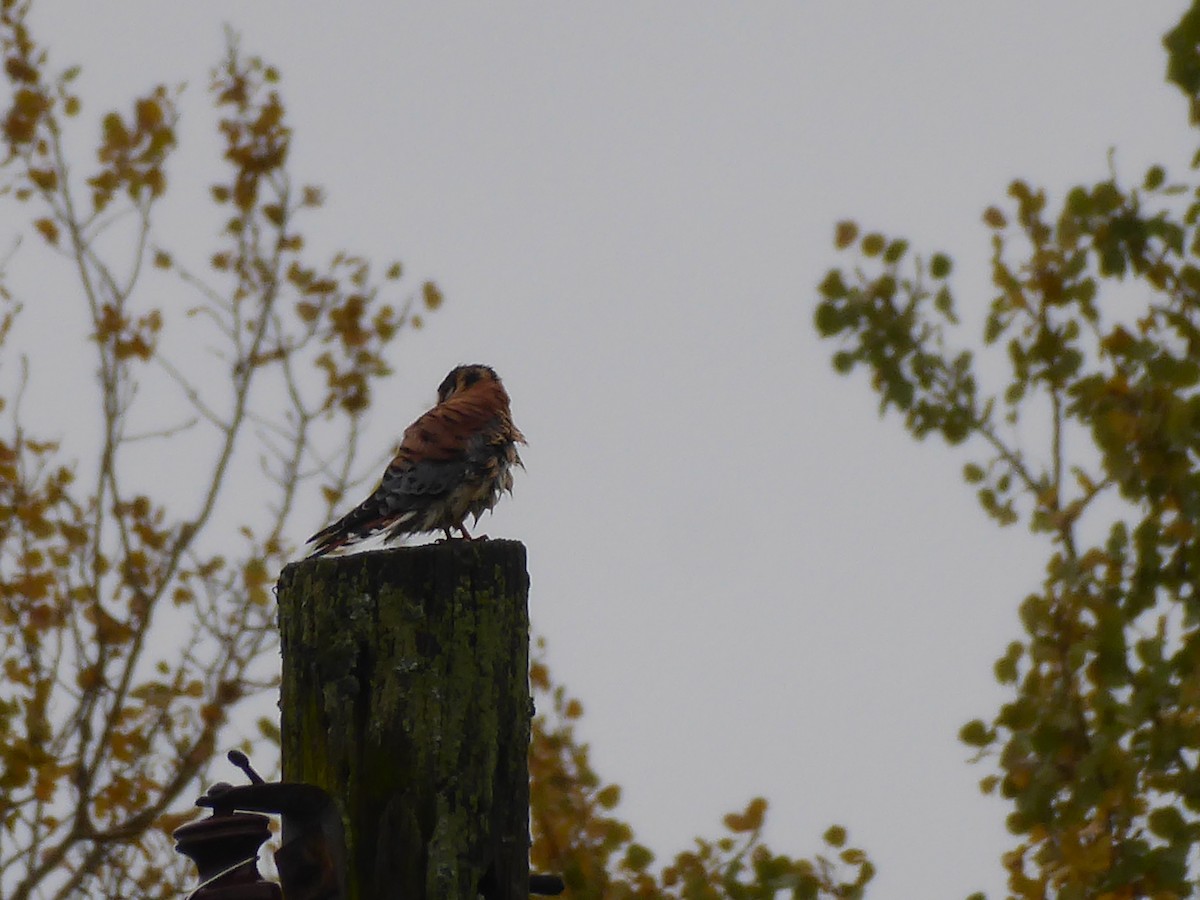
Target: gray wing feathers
424 479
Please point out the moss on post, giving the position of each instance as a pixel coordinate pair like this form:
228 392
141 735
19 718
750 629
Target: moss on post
405 695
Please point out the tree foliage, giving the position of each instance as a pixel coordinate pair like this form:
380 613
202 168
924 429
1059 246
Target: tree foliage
1092 343
135 604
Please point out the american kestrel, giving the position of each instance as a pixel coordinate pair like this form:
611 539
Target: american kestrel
454 461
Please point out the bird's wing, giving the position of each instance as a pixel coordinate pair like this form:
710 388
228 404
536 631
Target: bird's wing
453 429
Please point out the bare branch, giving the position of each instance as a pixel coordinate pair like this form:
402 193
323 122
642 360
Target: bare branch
190 392
169 431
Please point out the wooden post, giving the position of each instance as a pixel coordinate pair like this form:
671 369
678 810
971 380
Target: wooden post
405 695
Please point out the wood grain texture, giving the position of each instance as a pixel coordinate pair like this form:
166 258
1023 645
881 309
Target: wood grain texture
405 694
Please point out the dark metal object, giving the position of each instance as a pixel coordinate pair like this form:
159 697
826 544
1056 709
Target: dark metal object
539 886
311 859
546 885
239 759
224 848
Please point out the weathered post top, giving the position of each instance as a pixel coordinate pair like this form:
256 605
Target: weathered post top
405 695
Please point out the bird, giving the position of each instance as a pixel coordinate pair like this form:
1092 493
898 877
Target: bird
455 460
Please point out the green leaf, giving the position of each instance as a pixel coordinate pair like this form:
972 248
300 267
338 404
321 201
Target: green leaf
943 302
832 287
1017 823
637 858
895 251
835 836
1167 822
994 218
1005 668
432 295
873 244
976 734
610 796
1183 53
828 319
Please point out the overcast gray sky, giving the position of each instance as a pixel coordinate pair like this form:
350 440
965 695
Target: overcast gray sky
754 585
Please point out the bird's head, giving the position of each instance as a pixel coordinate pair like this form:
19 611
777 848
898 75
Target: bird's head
463 377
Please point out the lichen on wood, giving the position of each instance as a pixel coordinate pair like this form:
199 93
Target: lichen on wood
406 695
